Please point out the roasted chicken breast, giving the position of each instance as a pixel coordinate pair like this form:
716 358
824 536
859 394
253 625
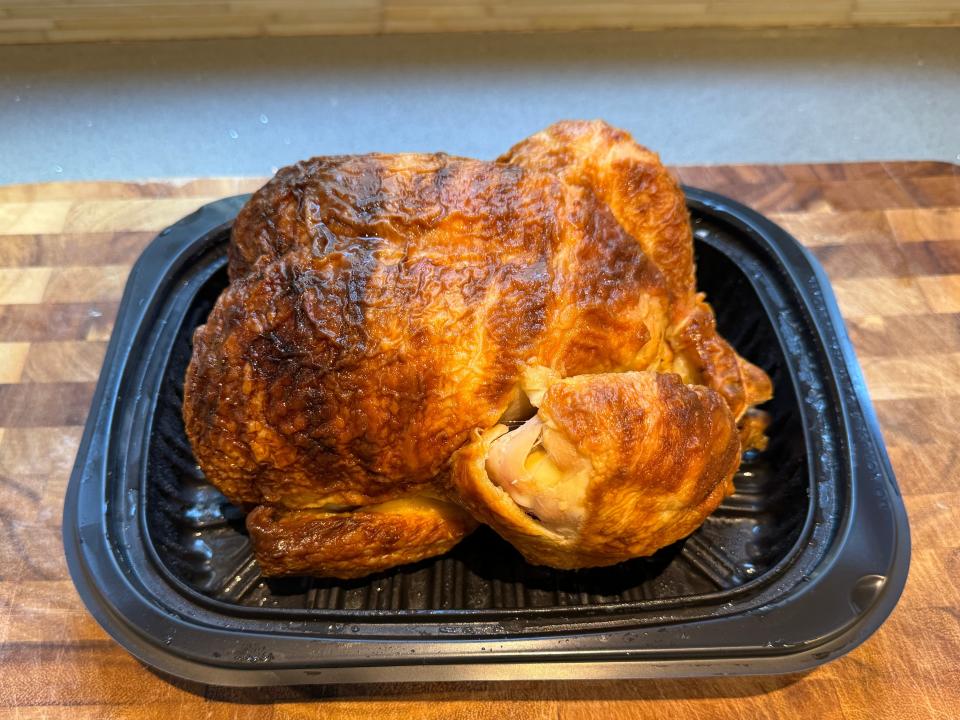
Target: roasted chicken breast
389 315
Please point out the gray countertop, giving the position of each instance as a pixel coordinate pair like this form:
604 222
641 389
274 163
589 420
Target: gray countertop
243 107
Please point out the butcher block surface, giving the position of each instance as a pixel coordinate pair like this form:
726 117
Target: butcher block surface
888 235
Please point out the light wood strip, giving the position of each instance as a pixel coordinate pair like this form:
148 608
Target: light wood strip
29 552
60 216
36 463
904 334
119 190
95 283
942 293
18 218
142 214
924 467
50 612
915 225
817 229
882 296
13 356
934 520
912 376
23 285
927 421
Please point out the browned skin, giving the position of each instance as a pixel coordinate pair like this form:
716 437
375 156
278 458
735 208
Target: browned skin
348 545
384 307
351 376
662 454
628 178
647 202
321 202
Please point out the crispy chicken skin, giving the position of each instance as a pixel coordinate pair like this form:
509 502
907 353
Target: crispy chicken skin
635 462
387 312
354 544
646 201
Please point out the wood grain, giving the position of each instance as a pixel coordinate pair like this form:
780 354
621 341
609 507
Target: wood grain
37 21
889 237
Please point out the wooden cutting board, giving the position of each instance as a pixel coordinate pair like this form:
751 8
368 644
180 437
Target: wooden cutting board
889 237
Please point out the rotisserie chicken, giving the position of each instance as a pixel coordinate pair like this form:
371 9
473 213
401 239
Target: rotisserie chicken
390 318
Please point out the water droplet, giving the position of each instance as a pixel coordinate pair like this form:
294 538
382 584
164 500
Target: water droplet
286 141
264 119
334 102
234 134
273 169
16 98
920 63
89 123
57 169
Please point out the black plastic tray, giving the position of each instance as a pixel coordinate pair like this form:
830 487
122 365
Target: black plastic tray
800 565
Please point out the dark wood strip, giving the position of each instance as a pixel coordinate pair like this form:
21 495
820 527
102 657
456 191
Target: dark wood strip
56 321
783 197
933 257
933 191
45 404
920 168
832 195
120 248
882 259
718 176
816 173
835 172
901 334
877 194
